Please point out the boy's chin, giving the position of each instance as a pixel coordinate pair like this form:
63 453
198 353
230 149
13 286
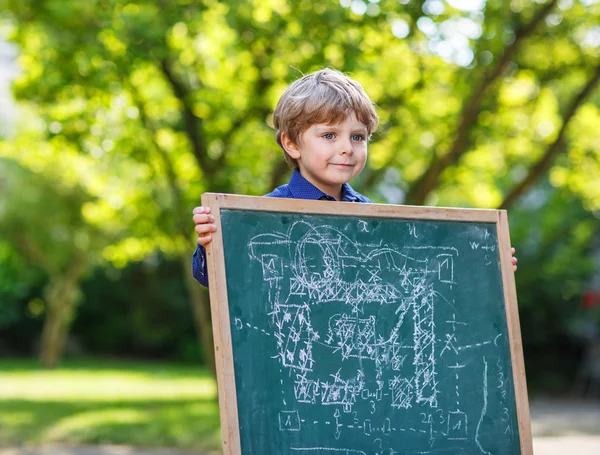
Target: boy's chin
343 177
339 180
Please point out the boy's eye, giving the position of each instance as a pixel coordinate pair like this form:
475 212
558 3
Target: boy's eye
328 136
358 137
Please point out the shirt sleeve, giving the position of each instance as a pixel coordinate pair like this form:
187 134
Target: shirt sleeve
199 266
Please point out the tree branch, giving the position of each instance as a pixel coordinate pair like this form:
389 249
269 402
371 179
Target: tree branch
428 181
259 110
176 193
553 149
200 305
193 124
33 253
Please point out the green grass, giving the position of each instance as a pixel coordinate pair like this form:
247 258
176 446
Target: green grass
95 401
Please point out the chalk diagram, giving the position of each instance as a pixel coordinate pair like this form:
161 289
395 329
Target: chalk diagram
376 308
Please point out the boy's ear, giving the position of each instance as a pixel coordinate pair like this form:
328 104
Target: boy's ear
290 146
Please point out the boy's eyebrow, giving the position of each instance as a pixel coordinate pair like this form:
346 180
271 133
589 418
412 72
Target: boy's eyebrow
335 127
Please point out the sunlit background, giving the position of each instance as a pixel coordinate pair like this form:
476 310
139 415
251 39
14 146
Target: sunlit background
115 117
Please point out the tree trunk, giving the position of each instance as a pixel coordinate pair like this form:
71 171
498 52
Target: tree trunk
61 296
201 306
199 298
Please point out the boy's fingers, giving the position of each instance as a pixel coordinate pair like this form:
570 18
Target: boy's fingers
204 239
202 229
514 260
203 218
203 224
200 210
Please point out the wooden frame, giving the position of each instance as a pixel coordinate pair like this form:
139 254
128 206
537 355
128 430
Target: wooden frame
220 308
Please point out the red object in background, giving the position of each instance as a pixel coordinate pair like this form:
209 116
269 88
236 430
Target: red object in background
590 299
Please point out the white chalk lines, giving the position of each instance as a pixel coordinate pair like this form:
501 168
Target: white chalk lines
354 332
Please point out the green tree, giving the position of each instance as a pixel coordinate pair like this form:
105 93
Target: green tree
478 101
43 222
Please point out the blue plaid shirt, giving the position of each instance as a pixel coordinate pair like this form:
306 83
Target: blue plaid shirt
298 188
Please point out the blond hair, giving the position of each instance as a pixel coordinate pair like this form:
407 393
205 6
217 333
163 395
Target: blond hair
325 96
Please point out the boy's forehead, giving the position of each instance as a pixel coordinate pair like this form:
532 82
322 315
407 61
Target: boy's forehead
351 120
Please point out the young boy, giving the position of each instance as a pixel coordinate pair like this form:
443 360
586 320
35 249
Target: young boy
323 122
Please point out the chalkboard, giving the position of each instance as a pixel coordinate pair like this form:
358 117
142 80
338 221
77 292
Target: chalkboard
344 328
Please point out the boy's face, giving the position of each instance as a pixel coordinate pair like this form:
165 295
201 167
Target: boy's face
330 155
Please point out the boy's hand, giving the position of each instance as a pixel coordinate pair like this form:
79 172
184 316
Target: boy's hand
204 222
514 260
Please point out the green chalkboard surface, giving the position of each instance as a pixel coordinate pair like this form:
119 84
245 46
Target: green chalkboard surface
368 335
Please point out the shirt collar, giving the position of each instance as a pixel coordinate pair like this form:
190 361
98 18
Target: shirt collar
300 188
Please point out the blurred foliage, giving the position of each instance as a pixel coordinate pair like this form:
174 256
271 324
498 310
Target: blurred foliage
58 206
558 252
146 104
141 310
63 248
16 283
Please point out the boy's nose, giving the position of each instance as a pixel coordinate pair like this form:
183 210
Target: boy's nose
346 147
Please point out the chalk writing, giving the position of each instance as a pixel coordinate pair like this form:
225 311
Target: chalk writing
361 333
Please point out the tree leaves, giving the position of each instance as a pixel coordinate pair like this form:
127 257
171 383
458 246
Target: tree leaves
147 104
